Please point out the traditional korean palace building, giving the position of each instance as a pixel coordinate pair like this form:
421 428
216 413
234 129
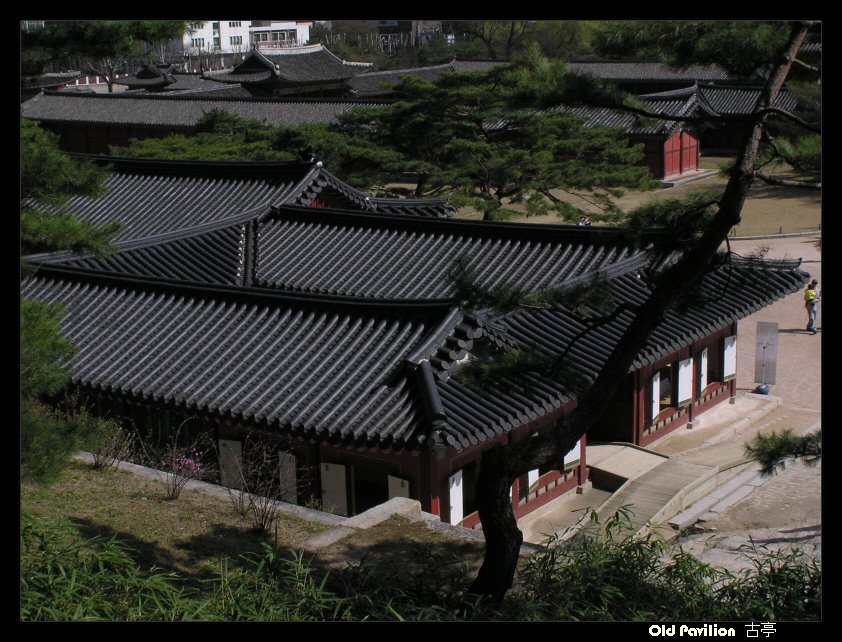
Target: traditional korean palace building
273 299
298 71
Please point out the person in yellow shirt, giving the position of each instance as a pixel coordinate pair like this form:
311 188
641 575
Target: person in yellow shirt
811 300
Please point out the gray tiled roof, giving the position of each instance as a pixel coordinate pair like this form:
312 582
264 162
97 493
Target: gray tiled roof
210 90
343 195
377 82
476 65
373 83
320 322
333 373
290 65
243 78
153 197
212 256
634 124
51 79
360 255
648 71
195 82
177 111
357 255
723 100
343 370
148 76
729 294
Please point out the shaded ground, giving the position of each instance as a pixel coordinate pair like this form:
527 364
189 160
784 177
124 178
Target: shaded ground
187 535
192 533
401 554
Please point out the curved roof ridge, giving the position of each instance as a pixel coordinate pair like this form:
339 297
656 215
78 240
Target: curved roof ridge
131 162
407 70
164 237
291 51
209 290
172 96
426 348
772 264
458 225
409 201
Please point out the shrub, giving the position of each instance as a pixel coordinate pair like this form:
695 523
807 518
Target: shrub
607 573
178 458
262 483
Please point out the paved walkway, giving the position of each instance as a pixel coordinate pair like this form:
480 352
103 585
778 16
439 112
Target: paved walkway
705 479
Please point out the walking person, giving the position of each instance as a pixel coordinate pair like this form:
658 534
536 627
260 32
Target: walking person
811 301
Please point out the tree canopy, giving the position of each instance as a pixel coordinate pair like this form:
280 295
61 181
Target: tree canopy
100 46
504 39
775 450
483 138
49 178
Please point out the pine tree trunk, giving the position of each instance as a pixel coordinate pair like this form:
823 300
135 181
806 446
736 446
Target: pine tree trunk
421 185
501 465
502 536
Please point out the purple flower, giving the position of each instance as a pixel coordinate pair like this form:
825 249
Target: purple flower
188 466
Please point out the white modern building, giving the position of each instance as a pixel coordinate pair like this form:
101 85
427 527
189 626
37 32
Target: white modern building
239 36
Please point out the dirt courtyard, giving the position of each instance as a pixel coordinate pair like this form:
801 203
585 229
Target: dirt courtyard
767 210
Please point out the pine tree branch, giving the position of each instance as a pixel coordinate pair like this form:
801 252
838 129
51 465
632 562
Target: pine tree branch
558 201
787 114
591 325
779 154
806 65
504 192
783 182
702 120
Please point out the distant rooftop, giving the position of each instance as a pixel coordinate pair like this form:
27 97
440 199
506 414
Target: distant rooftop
290 65
177 110
647 71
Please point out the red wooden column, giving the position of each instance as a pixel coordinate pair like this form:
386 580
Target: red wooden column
430 484
639 416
